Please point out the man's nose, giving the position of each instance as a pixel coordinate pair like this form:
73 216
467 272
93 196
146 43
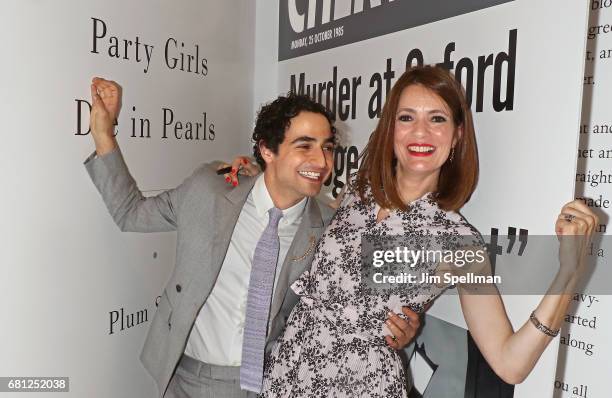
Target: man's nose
318 158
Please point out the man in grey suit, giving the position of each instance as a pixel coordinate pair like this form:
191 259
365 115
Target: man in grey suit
194 347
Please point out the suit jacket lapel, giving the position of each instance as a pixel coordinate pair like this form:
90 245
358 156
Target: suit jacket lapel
227 210
300 254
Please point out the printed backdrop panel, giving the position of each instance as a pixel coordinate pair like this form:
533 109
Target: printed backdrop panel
521 69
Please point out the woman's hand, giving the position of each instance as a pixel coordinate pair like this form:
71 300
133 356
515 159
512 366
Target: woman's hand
574 228
241 165
105 108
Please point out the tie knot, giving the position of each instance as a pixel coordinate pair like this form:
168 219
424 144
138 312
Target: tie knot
275 216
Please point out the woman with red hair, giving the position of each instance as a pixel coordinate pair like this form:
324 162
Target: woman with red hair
419 168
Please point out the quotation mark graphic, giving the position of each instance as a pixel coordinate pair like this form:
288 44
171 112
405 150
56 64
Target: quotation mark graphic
523 233
496 250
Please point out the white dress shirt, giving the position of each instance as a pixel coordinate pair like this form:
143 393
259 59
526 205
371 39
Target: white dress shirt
216 337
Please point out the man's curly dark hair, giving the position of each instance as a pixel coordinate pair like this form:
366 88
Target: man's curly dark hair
274 118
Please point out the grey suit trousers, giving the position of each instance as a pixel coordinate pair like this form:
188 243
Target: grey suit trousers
194 379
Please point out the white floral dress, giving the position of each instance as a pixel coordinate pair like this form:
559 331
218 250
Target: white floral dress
333 344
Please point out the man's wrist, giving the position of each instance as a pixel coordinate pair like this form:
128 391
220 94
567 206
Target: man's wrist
105 147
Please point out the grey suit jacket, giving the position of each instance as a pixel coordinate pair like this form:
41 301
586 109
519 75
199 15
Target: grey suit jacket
203 210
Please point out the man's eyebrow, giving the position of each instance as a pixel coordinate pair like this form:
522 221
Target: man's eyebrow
303 138
306 138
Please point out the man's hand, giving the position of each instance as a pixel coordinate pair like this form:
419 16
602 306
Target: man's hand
105 108
403 330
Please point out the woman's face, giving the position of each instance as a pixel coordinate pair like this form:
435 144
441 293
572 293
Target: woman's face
424 133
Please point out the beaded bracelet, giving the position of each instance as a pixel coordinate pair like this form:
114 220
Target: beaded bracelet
542 328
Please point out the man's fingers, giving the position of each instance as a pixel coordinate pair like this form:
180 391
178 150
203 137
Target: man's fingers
104 84
392 343
106 88
95 98
403 331
407 326
397 326
94 94
412 316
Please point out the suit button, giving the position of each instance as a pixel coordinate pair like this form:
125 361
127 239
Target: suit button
178 288
169 326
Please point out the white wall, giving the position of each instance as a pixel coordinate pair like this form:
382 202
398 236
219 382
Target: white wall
266 44
65 267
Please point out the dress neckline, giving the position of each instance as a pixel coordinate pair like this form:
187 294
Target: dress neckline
427 197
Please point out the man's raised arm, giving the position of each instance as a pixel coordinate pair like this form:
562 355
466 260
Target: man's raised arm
109 173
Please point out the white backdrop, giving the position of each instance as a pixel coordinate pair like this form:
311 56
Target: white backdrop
580 373
66 270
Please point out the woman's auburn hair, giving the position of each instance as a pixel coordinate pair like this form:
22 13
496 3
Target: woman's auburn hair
457 179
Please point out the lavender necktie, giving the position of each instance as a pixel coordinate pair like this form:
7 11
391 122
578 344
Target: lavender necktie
259 297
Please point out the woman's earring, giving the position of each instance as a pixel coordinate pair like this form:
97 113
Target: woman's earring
452 155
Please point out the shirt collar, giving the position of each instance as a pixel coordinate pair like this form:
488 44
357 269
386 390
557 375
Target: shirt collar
263 203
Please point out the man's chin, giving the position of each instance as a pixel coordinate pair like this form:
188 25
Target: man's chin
311 190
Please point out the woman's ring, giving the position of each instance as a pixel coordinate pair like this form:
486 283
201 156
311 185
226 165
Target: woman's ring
394 338
569 217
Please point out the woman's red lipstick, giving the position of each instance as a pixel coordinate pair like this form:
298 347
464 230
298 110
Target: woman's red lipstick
420 150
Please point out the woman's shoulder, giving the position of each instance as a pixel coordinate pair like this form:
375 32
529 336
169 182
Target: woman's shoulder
454 221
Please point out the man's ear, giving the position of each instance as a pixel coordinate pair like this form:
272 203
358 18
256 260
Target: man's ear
266 153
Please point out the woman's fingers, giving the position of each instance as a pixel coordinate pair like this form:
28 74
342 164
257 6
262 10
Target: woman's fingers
249 167
574 227
233 175
236 166
240 165
226 175
576 218
586 212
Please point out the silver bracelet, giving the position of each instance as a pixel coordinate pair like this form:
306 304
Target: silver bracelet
542 328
